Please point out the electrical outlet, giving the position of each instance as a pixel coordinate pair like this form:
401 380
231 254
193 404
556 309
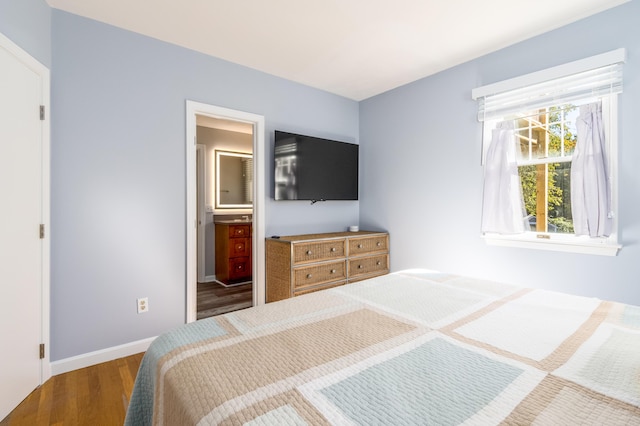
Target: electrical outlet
143 305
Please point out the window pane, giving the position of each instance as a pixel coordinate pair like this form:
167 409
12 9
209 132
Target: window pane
562 130
546 189
547 132
531 133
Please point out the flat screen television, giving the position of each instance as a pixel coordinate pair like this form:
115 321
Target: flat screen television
315 169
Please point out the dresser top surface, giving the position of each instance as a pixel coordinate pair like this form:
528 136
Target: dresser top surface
327 235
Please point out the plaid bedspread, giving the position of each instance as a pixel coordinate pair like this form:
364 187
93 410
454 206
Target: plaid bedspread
415 347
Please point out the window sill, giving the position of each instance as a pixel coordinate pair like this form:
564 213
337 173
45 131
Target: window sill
565 243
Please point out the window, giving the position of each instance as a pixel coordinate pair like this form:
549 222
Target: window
545 140
542 114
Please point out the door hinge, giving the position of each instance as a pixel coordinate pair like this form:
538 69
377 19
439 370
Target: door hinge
41 112
41 350
42 231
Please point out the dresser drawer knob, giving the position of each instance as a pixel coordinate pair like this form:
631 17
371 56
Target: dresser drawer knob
379 244
359 245
360 266
309 252
333 249
309 276
378 263
333 271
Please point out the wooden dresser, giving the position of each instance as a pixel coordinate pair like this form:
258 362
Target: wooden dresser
233 252
300 264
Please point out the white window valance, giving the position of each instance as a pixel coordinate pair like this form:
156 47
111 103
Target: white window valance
591 77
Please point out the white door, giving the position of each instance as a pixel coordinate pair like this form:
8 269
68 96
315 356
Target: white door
21 248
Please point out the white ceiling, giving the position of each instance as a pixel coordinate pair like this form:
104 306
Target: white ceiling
353 48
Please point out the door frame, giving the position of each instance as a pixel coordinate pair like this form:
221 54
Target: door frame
45 90
258 239
201 164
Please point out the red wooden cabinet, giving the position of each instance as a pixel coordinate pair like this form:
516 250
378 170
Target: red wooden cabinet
233 252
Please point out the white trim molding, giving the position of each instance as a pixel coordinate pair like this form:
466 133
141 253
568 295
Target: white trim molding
570 244
100 356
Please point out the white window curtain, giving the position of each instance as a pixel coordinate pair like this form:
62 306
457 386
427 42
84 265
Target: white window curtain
503 206
590 185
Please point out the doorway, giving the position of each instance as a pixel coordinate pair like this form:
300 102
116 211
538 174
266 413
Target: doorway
224 165
203 211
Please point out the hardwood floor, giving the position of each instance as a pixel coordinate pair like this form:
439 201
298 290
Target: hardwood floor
215 299
96 395
99 395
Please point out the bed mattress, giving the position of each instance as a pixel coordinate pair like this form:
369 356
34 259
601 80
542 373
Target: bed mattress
410 348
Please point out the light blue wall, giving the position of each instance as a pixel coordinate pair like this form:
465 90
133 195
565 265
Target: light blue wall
118 174
118 178
422 179
28 24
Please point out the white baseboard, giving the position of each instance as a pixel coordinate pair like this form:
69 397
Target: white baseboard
97 357
209 278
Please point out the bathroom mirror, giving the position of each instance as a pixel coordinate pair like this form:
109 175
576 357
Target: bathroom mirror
234 180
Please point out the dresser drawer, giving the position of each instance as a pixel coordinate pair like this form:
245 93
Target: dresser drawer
317 274
368 265
368 245
239 267
239 247
239 231
318 251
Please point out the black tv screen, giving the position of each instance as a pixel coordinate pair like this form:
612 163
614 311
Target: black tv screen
310 168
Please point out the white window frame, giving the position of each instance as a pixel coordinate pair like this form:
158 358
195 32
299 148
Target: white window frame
606 246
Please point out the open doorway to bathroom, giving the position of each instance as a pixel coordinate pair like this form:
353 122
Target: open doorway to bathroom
252 217
225 175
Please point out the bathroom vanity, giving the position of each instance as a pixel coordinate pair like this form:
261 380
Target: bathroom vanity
233 251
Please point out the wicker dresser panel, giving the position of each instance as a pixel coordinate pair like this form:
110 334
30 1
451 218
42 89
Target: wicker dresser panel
368 245
368 265
318 251
317 274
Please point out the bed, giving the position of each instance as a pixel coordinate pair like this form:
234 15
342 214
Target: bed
411 347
